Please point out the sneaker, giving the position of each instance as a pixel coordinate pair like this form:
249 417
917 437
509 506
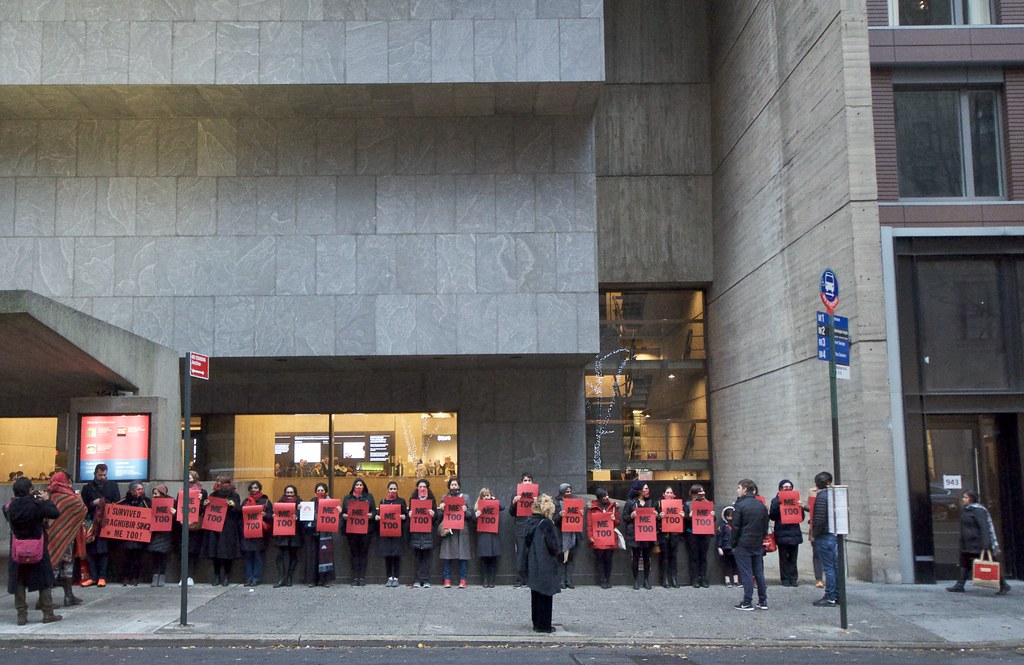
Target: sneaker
462 584
746 607
417 585
86 583
824 602
447 584
102 582
426 585
762 605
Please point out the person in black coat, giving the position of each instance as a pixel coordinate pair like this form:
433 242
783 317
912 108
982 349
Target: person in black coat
390 547
488 545
25 513
252 548
133 549
288 546
358 543
223 546
96 494
422 543
519 524
161 543
639 497
539 562
787 538
749 527
977 535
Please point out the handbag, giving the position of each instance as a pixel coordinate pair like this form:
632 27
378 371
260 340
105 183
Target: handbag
769 543
986 571
621 539
26 550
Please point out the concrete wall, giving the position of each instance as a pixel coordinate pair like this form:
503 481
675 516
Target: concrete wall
794 193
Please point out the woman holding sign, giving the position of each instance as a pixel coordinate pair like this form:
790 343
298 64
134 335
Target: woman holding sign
136 497
422 514
391 517
288 545
454 534
357 511
569 520
319 544
697 540
222 523
639 516
788 534
602 519
161 542
487 511
257 516
670 526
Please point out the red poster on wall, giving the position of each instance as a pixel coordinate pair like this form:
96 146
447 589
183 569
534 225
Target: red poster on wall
527 494
193 506
789 507
216 511
357 521
162 514
327 515
252 521
572 515
284 519
127 523
672 515
702 518
490 511
454 517
420 520
645 527
602 530
390 520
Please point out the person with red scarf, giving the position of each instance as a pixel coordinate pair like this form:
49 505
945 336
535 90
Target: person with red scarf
161 543
288 546
358 543
252 548
65 540
390 547
222 546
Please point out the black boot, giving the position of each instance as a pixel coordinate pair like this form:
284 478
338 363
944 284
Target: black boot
636 583
674 582
69 597
956 588
280 574
568 576
647 580
292 565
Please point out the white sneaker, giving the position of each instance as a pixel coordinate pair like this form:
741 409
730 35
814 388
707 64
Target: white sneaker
190 582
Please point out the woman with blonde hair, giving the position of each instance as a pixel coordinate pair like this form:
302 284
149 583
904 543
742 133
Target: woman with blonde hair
539 562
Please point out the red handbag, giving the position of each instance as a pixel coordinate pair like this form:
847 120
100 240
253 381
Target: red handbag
26 550
769 543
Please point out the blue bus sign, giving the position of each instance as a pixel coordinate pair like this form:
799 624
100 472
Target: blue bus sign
829 290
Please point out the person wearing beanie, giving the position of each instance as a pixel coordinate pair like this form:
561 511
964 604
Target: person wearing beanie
639 497
602 552
696 544
570 541
160 544
787 538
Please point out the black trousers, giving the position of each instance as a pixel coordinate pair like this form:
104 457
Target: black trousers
422 565
604 565
697 550
391 565
787 564
540 610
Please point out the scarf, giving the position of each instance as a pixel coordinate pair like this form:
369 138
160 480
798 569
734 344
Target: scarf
62 531
59 484
253 499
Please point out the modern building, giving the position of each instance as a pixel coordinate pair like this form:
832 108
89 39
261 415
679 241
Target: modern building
578 238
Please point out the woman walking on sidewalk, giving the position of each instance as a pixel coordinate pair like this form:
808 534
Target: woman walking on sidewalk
977 535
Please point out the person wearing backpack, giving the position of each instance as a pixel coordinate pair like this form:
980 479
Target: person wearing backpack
25 513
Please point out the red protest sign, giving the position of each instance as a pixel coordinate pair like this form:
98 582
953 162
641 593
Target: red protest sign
216 511
419 516
252 521
327 515
162 514
490 509
284 519
193 506
645 527
454 517
789 507
702 518
127 523
357 520
602 530
390 520
672 515
527 493
572 515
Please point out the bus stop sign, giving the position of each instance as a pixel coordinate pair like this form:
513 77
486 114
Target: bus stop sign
829 290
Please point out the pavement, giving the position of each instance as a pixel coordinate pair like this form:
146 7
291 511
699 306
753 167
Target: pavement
879 615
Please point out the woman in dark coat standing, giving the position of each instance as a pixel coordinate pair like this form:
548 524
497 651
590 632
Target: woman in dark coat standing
223 546
359 543
319 546
135 497
161 543
696 544
422 543
787 537
639 497
539 563
977 534
488 545
26 513
288 546
391 547
253 548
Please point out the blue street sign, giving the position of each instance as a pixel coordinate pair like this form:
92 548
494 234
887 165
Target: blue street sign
841 331
829 290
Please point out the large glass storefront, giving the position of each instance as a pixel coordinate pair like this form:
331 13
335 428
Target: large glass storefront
647 393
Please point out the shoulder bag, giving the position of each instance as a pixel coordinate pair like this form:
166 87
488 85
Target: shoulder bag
26 550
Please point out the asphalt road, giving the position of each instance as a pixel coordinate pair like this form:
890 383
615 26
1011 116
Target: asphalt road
497 655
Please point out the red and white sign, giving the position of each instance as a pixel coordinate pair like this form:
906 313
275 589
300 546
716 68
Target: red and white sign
645 526
252 521
162 517
284 518
602 530
327 515
198 365
527 494
216 511
420 520
193 506
127 523
572 516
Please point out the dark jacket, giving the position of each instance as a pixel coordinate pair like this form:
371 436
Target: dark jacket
785 534
488 544
629 528
26 515
974 533
420 540
595 507
135 502
540 559
393 546
110 493
749 522
225 544
819 516
723 535
258 544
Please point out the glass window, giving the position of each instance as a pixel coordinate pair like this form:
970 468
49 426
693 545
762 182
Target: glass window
945 12
28 447
947 143
647 390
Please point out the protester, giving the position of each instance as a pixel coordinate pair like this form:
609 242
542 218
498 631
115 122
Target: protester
639 497
603 551
519 523
223 546
195 530
570 540
252 548
696 543
319 570
133 549
539 563
422 543
288 546
96 494
455 543
815 559
824 542
749 527
787 539
390 547
358 543
977 535
160 543
726 560
668 544
25 513
488 545
65 542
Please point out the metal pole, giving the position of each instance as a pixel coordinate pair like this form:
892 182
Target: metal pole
836 470
186 440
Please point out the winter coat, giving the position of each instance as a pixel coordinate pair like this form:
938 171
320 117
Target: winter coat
488 544
975 536
110 493
665 539
456 545
785 534
819 516
26 515
540 559
258 544
420 540
629 530
291 541
749 522
723 535
596 507
393 546
519 524
225 544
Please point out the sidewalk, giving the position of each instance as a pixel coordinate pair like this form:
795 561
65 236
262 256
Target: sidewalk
879 616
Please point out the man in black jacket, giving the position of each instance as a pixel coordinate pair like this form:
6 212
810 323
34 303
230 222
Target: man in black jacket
749 527
96 494
825 544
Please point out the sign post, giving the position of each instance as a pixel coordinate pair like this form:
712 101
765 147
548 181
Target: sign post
198 366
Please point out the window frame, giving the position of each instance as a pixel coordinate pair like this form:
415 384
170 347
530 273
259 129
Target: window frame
959 18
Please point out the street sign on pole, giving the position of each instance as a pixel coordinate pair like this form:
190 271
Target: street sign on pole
198 366
829 290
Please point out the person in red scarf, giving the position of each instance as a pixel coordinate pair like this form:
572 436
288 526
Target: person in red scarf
65 540
222 547
288 546
252 548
